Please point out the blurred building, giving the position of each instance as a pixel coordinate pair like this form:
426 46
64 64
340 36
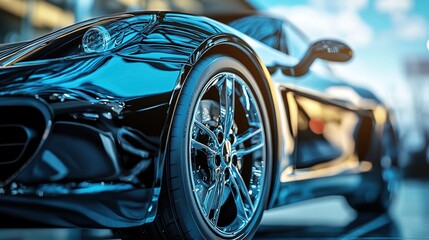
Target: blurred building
26 19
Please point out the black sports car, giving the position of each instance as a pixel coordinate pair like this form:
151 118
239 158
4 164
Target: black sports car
163 124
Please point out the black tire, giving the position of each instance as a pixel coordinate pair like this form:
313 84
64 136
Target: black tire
386 177
183 211
379 204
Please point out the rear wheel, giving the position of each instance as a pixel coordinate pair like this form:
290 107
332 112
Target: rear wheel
218 171
387 181
387 178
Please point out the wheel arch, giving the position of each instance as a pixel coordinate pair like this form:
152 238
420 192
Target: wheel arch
235 47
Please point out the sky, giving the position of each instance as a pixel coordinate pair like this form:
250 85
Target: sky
383 35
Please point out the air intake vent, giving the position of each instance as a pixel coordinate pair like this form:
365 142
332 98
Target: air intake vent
24 124
13 141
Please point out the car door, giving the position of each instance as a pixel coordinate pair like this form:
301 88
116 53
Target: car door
333 134
324 134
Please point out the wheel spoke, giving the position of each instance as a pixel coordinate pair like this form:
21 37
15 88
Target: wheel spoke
218 200
227 102
251 132
213 198
241 196
209 198
248 104
200 146
218 148
249 150
242 186
206 130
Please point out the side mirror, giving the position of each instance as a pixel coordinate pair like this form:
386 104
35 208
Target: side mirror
329 50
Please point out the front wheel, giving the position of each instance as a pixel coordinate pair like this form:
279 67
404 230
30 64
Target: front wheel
217 175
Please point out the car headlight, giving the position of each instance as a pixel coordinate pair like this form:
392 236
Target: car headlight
96 39
111 35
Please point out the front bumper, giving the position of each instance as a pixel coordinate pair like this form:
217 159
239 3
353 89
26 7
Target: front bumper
75 166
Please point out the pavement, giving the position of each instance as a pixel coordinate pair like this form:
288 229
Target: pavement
323 218
332 218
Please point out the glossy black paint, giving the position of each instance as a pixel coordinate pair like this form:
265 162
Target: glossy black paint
102 157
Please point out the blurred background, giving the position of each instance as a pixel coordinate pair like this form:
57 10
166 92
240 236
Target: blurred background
390 39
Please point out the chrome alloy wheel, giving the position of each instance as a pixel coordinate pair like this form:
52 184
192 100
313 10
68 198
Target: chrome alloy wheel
227 153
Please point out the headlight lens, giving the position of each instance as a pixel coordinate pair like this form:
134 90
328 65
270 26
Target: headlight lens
96 39
111 35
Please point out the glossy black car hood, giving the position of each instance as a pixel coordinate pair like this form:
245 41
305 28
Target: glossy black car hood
173 41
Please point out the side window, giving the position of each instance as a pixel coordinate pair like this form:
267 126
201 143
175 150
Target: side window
279 34
296 43
264 29
276 33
